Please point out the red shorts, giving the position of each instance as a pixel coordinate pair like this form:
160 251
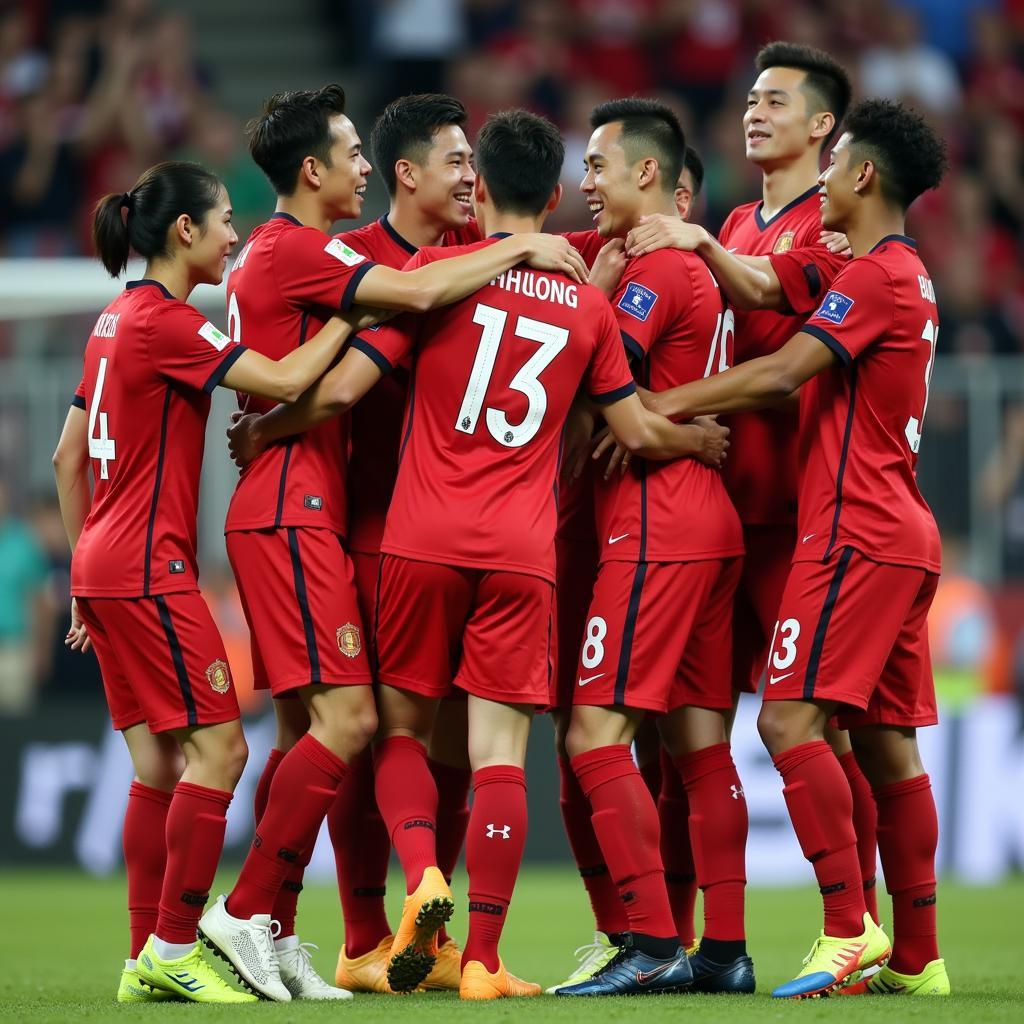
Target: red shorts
659 636
366 568
162 660
855 632
298 593
488 632
576 569
766 568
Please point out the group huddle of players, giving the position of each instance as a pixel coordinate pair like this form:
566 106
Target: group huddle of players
531 508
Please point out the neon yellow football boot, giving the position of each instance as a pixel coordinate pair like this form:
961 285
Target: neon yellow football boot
932 981
133 989
189 977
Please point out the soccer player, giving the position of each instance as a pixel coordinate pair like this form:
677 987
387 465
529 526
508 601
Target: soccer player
287 519
139 420
852 633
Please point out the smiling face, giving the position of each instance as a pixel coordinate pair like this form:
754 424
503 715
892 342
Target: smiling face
777 125
212 242
837 185
343 183
444 180
610 184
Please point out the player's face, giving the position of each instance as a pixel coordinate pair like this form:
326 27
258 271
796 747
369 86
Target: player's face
343 184
212 242
444 182
611 187
837 186
684 194
776 125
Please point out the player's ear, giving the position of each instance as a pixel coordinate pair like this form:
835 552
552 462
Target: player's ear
556 198
648 171
479 190
184 229
822 125
406 174
309 173
865 175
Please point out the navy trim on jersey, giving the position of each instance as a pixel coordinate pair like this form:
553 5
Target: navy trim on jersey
360 344
629 631
902 239
632 346
390 229
282 485
821 630
409 410
501 234
223 366
837 347
813 278
179 660
642 473
156 492
303 599
146 282
607 397
762 223
842 462
288 217
349 294
78 401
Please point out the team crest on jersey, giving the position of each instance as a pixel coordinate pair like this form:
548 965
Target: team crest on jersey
340 251
350 642
835 307
219 676
638 301
784 242
216 337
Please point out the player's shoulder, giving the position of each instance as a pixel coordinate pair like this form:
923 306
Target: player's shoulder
745 213
467 234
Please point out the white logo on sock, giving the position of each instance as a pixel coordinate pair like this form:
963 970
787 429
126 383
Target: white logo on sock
503 831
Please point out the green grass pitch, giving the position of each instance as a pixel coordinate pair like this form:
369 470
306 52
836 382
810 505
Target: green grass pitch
64 936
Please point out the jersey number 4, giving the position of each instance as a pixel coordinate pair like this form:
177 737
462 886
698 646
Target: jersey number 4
101 445
551 339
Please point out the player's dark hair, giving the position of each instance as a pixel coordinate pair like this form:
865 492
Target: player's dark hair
294 125
519 155
139 218
909 155
827 84
649 128
693 163
405 130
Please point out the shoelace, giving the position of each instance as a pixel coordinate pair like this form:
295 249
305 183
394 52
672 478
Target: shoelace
587 954
265 935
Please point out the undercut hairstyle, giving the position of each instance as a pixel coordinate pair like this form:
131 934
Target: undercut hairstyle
294 125
693 163
908 154
649 128
519 155
405 131
827 85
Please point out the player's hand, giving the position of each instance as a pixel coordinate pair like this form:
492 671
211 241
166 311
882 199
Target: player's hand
660 231
553 252
715 443
244 443
836 242
77 638
619 458
360 318
608 267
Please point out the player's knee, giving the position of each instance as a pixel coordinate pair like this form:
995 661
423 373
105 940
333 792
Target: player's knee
578 739
159 772
234 758
775 728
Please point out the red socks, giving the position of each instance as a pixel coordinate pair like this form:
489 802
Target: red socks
626 824
145 857
821 808
494 851
194 837
676 852
407 798
361 850
865 824
908 833
609 913
303 787
718 833
452 819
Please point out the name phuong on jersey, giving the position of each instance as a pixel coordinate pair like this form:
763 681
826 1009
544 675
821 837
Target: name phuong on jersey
673 321
492 381
150 366
762 471
287 281
861 422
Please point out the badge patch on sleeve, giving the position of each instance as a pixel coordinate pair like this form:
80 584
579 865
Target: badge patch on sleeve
835 307
638 301
340 251
216 337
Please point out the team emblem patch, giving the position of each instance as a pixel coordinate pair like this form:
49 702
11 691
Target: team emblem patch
835 307
784 242
219 676
215 336
340 251
350 643
638 301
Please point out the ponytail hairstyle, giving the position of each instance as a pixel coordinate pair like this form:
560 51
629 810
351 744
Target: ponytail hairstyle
139 219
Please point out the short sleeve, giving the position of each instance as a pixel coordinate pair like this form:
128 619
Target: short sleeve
314 270
856 311
78 398
608 378
390 343
587 243
185 347
651 290
805 275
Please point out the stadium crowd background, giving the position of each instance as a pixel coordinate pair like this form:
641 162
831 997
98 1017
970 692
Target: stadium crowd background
91 93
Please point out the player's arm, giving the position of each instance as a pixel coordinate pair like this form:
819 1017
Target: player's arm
652 436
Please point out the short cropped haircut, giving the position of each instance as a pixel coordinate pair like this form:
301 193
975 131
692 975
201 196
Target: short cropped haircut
827 84
649 128
909 155
519 156
294 125
405 130
693 163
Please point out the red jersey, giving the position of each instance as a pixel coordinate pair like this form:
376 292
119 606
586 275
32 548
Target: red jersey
492 381
151 363
285 284
860 423
762 471
671 316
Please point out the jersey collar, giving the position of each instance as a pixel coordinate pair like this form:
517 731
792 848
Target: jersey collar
280 215
147 282
501 234
762 223
902 239
396 237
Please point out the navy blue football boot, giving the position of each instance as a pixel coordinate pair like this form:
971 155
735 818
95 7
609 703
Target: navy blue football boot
735 977
631 972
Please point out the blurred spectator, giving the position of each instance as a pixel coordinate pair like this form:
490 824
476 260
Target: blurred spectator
416 39
1002 489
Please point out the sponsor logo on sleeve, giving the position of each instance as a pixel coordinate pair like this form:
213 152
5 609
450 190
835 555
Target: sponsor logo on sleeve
216 337
340 251
638 301
835 307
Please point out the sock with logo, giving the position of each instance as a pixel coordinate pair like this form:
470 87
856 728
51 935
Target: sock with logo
821 808
718 835
626 824
865 824
145 857
194 837
609 913
303 787
361 851
494 851
452 819
908 833
407 798
676 852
